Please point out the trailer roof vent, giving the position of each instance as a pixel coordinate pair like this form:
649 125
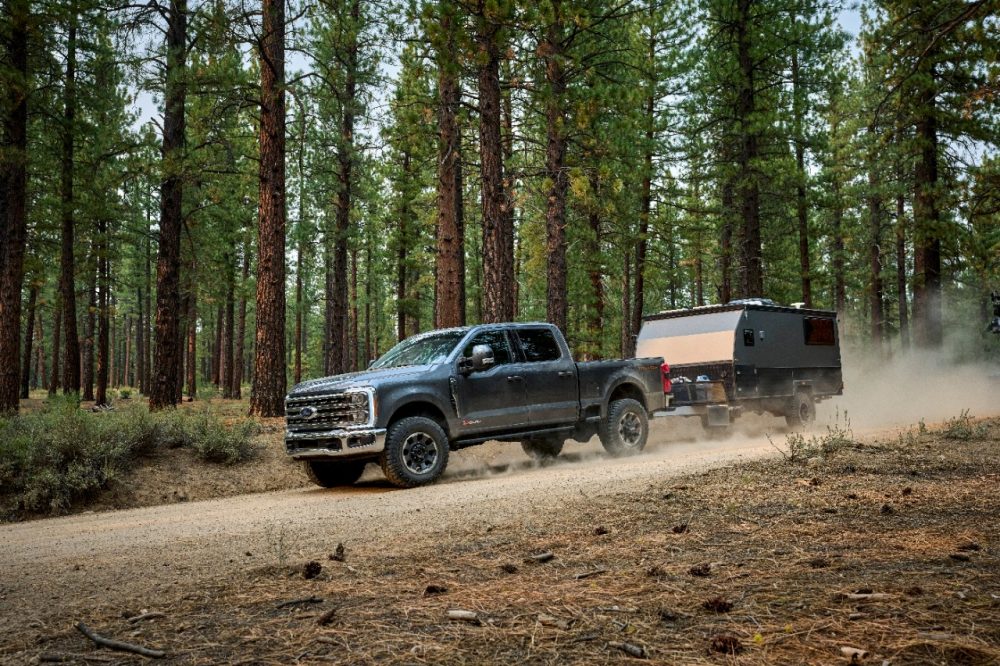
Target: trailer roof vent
798 306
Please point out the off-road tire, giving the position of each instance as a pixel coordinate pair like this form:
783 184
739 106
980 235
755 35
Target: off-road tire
544 449
416 452
801 412
626 428
333 474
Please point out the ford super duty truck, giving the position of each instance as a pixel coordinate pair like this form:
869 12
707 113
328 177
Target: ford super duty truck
447 389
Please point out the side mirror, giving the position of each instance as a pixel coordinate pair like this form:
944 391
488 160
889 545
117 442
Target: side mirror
482 358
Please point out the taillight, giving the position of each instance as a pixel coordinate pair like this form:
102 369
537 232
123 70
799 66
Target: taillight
665 373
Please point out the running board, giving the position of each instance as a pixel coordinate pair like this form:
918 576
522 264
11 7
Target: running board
509 436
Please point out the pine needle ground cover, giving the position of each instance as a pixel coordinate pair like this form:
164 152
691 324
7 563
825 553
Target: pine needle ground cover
877 551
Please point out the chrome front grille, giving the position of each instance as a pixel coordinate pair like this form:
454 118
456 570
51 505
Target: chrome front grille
321 413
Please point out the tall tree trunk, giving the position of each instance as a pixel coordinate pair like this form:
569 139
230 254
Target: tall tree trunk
192 346
800 182
168 355
269 382
626 337
752 269
29 334
89 329
40 376
57 317
217 347
140 344
927 304
103 314
904 320
449 276
147 329
14 178
726 245
498 235
67 281
551 50
352 346
401 255
839 278
297 373
241 328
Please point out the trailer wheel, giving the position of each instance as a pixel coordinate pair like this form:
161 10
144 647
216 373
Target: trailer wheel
543 450
801 411
626 428
329 474
416 452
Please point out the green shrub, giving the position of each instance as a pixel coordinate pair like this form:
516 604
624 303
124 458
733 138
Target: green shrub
61 455
963 429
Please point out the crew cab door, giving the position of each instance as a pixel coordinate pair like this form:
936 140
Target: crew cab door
491 399
549 376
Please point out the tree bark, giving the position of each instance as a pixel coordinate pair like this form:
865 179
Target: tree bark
646 200
297 373
449 276
876 297
551 49
167 357
57 317
89 330
596 273
498 234
28 338
14 177
401 254
269 382
67 282
192 346
241 329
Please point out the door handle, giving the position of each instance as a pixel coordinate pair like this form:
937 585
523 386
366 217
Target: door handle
565 373
515 378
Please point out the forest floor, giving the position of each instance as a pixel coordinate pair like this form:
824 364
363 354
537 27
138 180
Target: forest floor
884 546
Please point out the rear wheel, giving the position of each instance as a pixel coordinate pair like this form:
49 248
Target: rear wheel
626 428
801 411
330 474
416 452
544 449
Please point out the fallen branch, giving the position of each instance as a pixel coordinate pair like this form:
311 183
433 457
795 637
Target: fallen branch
70 657
866 596
144 616
588 574
121 646
303 600
540 557
636 651
464 616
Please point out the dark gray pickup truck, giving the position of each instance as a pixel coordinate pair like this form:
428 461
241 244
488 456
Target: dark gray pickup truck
448 389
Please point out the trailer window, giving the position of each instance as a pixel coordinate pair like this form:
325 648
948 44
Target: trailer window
538 344
748 337
819 331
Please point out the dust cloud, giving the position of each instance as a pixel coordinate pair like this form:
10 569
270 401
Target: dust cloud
911 386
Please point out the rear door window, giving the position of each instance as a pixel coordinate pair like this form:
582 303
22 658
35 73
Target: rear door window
538 344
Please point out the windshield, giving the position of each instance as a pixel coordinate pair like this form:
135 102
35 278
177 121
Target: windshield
420 350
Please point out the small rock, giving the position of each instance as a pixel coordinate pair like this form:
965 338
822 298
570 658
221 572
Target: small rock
338 555
718 605
969 546
907 491
887 510
311 569
601 530
509 568
701 570
726 643
960 557
679 529
432 589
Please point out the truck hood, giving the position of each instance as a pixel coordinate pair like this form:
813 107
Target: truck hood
371 378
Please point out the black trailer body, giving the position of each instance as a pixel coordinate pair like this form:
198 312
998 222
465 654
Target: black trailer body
746 356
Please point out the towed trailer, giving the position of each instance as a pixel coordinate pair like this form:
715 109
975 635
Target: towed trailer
752 355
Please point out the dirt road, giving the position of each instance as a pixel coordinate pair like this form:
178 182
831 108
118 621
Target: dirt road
126 558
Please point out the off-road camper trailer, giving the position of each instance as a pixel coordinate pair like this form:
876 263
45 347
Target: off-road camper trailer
746 355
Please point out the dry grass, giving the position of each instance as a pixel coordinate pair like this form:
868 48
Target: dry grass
760 576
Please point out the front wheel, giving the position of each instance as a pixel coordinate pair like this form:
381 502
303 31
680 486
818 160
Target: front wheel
328 474
801 411
543 450
626 428
416 452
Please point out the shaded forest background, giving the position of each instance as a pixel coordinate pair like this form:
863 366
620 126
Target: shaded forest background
325 178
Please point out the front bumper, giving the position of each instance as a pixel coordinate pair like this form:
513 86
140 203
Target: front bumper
338 443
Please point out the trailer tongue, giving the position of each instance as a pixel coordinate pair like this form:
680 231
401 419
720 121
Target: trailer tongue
746 356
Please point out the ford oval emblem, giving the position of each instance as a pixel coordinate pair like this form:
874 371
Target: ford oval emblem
308 412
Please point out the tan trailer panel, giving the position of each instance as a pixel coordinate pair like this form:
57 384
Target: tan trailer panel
715 347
